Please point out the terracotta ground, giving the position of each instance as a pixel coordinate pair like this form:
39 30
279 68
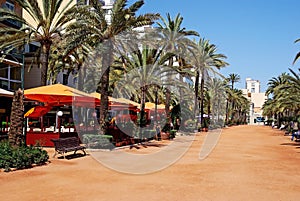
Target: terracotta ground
248 163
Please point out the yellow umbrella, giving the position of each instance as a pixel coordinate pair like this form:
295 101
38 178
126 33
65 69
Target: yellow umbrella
124 100
149 105
110 99
59 94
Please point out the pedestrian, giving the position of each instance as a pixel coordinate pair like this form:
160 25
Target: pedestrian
295 132
158 130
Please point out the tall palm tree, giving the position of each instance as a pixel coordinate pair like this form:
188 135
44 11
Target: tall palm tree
94 30
205 59
232 78
276 82
277 88
173 38
144 71
216 91
44 25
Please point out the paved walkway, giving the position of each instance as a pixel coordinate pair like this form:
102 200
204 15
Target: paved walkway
248 163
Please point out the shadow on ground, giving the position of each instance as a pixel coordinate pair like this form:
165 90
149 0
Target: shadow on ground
72 156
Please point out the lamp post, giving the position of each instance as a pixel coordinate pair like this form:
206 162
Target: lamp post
23 66
59 114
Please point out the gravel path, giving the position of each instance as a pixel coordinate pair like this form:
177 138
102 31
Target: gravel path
247 163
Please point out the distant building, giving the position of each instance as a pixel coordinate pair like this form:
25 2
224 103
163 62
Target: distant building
252 86
33 75
257 98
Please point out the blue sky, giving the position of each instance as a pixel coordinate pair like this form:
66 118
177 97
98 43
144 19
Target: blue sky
257 36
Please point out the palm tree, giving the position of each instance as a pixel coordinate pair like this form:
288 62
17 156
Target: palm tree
173 39
95 30
232 78
44 25
216 91
275 82
205 60
298 54
144 71
277 88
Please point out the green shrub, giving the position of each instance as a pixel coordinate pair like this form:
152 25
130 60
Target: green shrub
21 157
4 123
97 141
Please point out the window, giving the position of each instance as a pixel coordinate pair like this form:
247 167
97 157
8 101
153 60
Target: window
15 85
4 84
3 70
33 48
10 5
15 73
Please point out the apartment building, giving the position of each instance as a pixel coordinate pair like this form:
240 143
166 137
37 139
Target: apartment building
33 74
256 98
11 64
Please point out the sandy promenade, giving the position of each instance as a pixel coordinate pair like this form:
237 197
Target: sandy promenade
248 163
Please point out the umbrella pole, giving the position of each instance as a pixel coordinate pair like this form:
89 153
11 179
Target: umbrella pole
42 123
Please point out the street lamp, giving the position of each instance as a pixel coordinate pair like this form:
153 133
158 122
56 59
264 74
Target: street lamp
59 114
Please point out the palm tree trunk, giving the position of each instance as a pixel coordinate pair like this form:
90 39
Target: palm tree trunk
196 93
15 134
167 107
168 99
81 75
104 100
196 108
202 97
104 84
226 112
142 113
44 59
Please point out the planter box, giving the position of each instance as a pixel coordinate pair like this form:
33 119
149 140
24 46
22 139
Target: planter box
44 139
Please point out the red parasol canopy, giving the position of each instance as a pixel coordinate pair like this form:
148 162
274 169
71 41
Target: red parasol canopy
58 94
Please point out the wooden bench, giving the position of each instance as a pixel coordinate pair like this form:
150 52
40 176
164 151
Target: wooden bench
64 145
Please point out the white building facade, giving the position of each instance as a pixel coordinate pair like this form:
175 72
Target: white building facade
256 98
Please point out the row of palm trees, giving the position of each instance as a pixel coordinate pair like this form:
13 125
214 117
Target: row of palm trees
283 91
110 57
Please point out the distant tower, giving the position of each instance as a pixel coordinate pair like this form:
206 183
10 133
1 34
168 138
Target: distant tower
252 86
108 5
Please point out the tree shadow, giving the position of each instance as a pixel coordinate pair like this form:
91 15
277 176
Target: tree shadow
146 145
290 144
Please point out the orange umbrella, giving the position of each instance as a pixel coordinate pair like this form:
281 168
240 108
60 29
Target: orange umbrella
129 102
117 102
59 94
110 99
151 106
37 111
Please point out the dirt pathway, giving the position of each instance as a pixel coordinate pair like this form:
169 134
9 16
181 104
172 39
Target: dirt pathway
248 163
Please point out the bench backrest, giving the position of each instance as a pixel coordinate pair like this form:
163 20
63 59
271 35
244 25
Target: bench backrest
66 142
